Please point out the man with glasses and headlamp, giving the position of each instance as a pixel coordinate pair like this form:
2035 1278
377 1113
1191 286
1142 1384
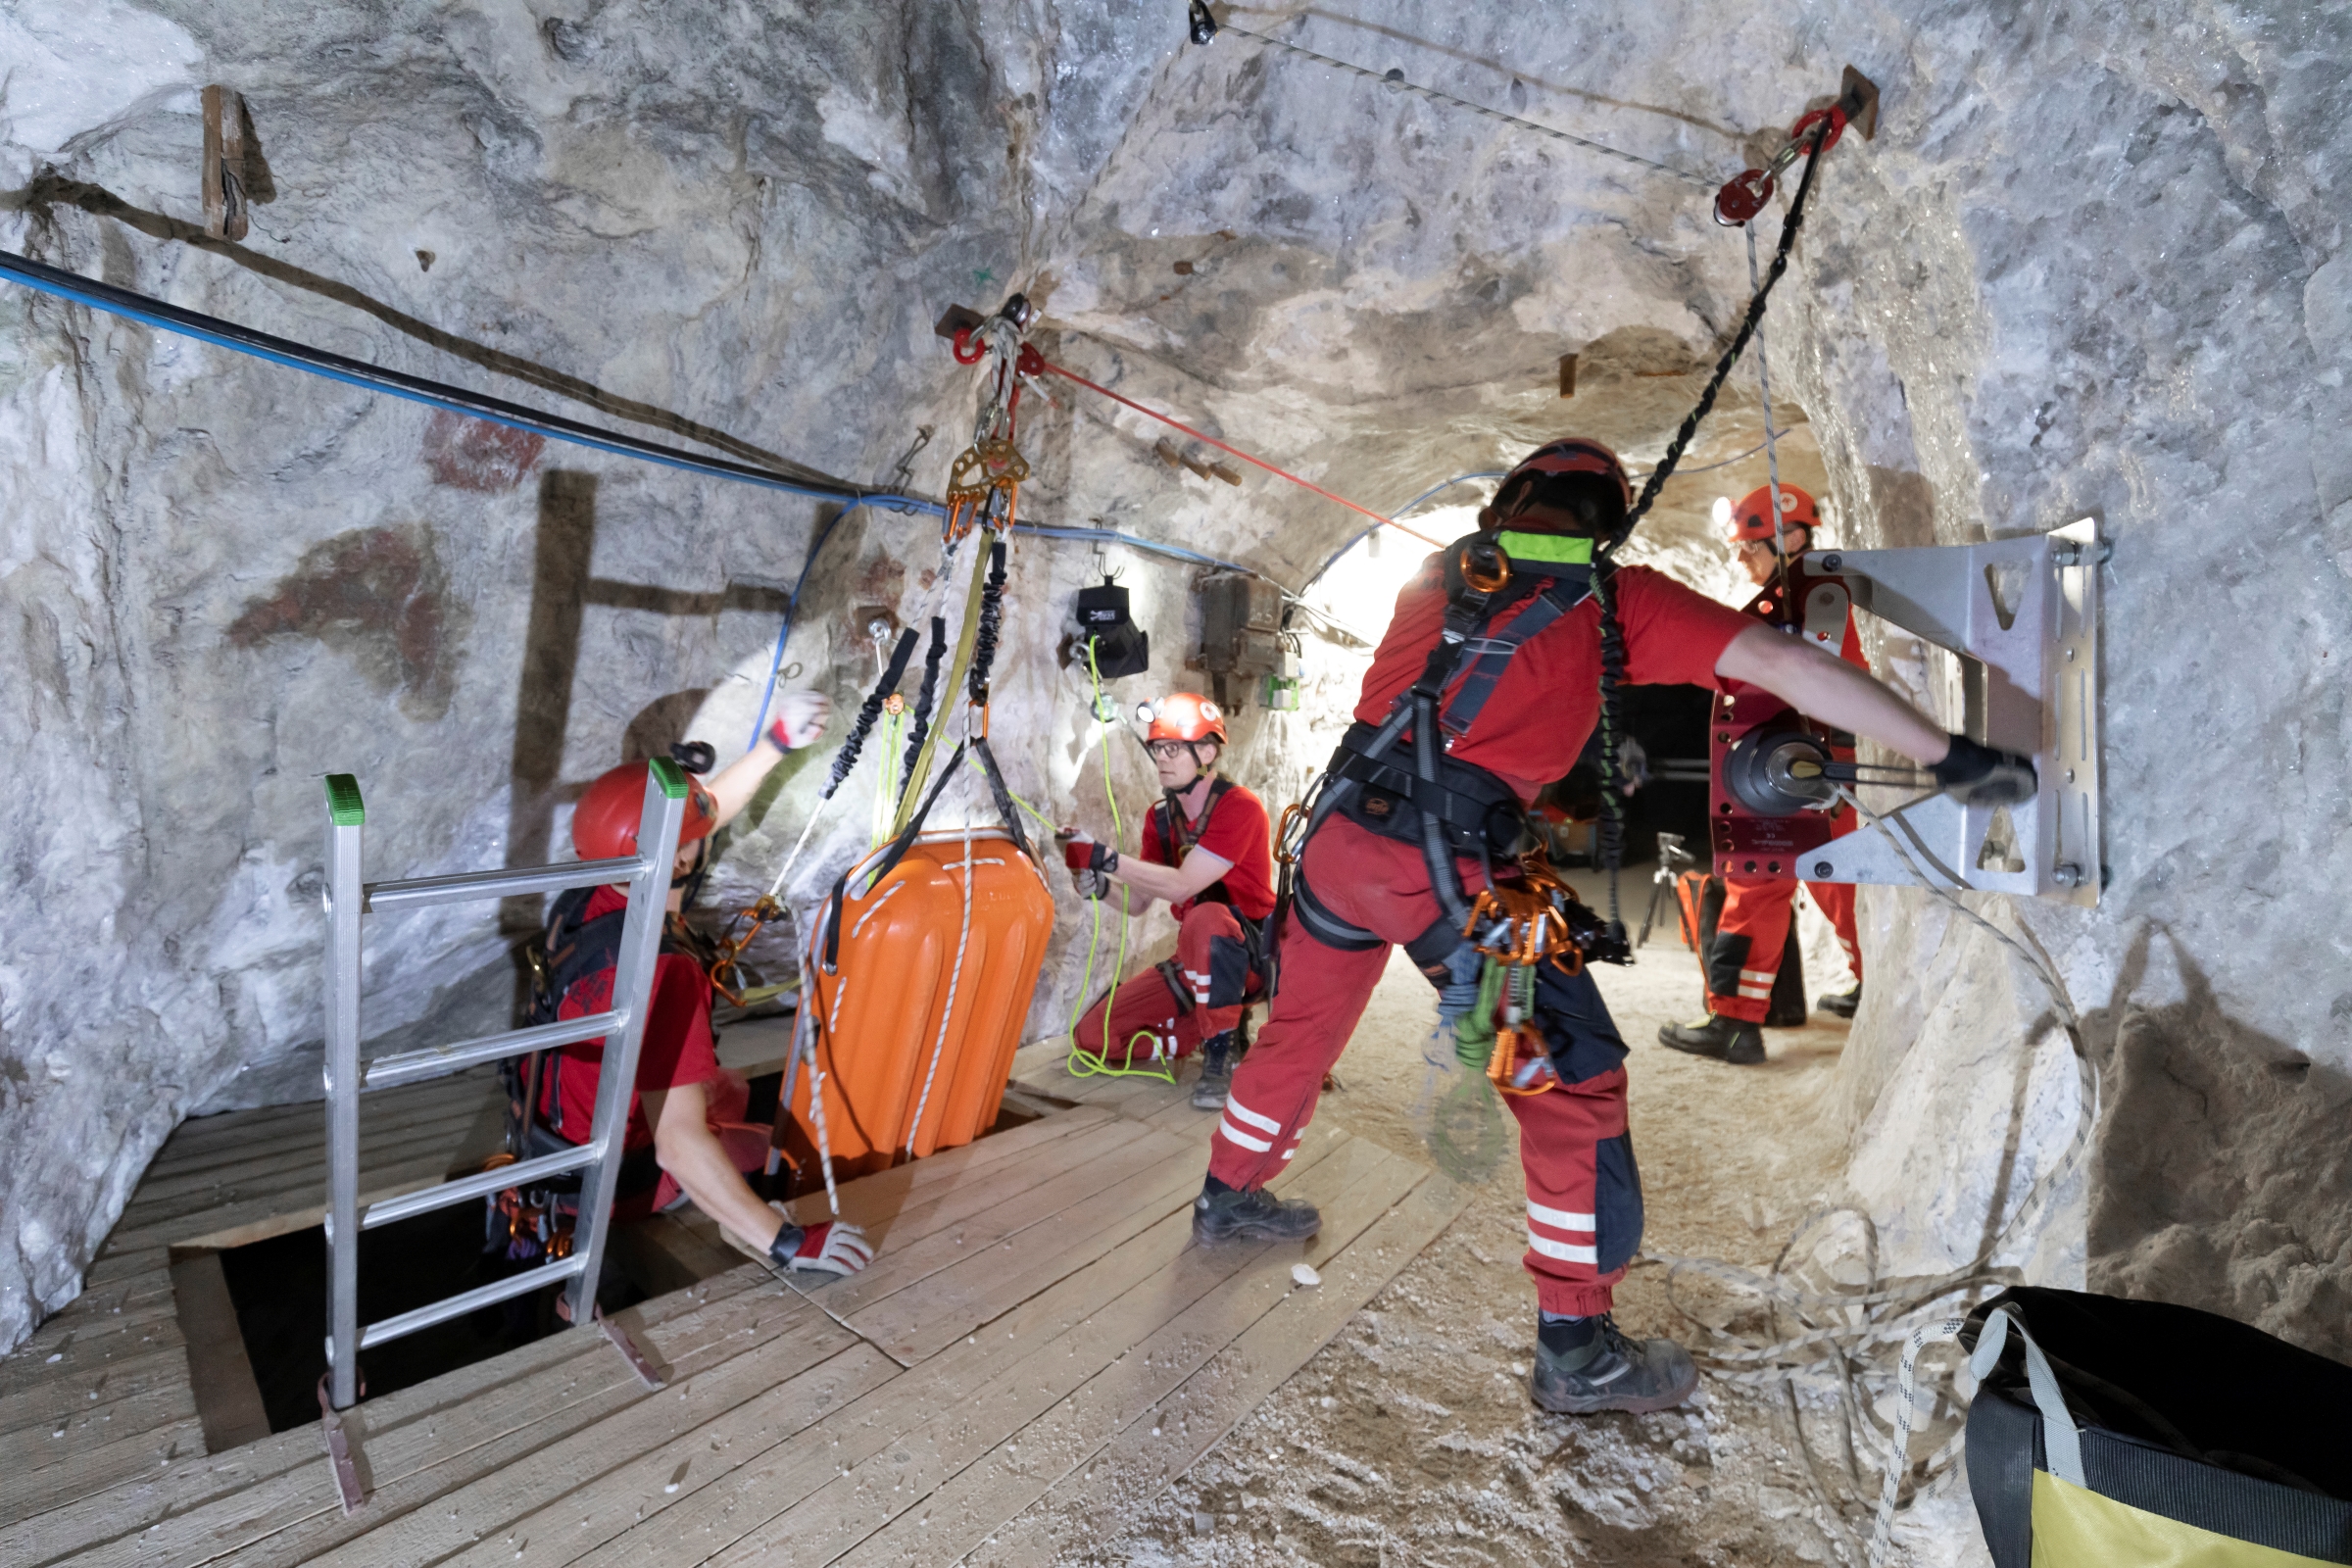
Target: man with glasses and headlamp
1208 849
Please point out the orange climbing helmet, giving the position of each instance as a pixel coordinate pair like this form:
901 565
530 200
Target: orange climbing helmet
1751 518
1183 717
604 826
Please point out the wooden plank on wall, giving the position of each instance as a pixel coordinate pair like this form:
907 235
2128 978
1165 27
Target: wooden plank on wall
227 1397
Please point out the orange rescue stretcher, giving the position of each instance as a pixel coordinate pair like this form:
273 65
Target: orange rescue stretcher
913 1045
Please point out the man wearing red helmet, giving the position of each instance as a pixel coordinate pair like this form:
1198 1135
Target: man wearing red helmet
1486 685
1207 850
1743 957
669 1113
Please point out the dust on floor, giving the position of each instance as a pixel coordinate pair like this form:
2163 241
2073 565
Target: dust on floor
1410 1438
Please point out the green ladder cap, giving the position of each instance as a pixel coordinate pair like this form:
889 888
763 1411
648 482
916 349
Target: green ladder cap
670 777
344 808
1559 549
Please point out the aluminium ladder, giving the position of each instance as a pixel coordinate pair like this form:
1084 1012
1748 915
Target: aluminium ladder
622 1025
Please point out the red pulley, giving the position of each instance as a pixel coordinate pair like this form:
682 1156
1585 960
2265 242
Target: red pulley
1742 197
1835 119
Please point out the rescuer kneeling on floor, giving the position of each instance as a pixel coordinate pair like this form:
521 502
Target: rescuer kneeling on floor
670 1112
1207 850
1486 684
1742 958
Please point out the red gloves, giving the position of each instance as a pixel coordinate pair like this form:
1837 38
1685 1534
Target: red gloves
833 1247
1082 853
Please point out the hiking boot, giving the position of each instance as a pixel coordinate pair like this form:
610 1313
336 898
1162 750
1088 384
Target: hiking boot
1729 1040
1844 1003
1256 1216
1611 1372
1216 1072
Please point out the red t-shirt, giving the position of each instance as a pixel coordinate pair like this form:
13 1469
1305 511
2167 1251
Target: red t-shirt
677 1047
1237 830
1543 708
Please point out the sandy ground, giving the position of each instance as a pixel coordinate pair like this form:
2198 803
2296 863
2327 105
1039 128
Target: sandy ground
1410 1438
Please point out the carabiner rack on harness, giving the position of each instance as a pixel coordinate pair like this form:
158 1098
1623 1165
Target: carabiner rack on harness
1520 924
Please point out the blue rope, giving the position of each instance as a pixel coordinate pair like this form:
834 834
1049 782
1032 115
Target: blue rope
212 330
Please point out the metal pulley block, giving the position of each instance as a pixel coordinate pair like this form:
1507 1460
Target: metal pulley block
982 473
1745 194
1526 922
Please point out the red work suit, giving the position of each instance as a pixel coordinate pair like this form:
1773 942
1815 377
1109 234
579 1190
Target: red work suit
1168 1010
1583 1193
678 1048
1752 934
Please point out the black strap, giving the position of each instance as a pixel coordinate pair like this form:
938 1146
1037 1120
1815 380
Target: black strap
1489 657
1006 809
1326 927
891 857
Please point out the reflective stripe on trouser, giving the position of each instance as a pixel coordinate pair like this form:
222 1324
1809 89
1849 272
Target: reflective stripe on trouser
1573 1142
1752 933
1144 1004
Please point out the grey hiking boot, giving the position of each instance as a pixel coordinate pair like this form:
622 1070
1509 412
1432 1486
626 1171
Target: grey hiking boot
1611 1372
1725 1039
1842 1004
1255 1215
1216 1072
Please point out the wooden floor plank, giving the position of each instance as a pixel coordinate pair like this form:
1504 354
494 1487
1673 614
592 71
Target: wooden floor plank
91 1360
672 1472
44 1403
1156 1448
1116 1158
61 1531
868 1497
292 1516
765 1485
96 1469
492 1498
227 1397
58 1438
916 1323
273 1162
1056 1441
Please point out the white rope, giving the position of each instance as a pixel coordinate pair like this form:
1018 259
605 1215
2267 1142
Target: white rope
1898 1451
947 1017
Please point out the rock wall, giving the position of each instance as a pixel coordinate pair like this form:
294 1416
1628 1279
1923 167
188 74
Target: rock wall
2090 263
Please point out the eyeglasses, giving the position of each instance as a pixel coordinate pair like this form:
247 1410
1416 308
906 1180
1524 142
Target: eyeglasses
1167 751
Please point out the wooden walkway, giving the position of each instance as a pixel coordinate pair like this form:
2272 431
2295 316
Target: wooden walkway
1037 1315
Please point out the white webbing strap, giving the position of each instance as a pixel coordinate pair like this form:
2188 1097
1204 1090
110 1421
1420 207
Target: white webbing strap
2061 1443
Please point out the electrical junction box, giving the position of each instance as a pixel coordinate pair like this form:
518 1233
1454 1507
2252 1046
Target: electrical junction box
1240 630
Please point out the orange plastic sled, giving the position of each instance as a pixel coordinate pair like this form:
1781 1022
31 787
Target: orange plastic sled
884 1022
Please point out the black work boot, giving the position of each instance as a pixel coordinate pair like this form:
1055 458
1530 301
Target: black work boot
1216 1071
1725 1039
1608 1371
1224 1213
1842 1004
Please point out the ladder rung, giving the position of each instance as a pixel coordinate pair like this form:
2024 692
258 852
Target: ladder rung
425 1317
520 1174
408 1066
468 886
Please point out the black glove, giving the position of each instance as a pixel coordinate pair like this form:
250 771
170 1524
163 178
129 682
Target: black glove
1978 775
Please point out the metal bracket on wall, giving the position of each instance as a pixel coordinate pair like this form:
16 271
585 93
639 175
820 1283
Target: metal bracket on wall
2023 617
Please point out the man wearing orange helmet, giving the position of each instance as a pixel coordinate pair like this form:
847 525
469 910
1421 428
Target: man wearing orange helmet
1486 685
669 1140
1207 850
1742 958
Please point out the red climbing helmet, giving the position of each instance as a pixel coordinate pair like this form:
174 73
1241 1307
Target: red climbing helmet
1183 717
1751 518
1523 485
604 826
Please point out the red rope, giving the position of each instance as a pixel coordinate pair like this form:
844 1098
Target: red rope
1031 363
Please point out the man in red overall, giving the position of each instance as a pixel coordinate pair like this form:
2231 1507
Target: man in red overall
1405 828
1743 957
1208 849
670 1112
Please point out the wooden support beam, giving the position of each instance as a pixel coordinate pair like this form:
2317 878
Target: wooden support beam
223 164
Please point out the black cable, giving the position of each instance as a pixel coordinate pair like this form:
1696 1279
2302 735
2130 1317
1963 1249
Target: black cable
1723 366
920 730
1610 830
847 758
